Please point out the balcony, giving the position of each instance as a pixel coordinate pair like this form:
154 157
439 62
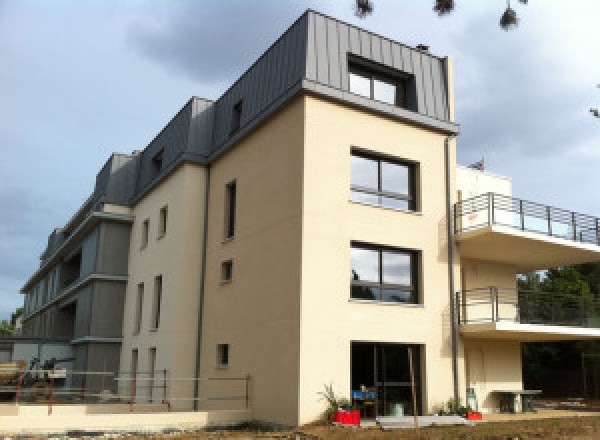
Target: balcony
516 314
527 235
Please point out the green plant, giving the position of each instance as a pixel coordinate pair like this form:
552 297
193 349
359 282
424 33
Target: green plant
334 402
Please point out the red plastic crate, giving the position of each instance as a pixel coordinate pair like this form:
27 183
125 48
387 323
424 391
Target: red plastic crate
474 416
347 417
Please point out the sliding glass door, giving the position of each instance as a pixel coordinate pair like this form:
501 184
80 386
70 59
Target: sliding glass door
381 384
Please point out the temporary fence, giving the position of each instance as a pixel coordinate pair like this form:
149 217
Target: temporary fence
133 388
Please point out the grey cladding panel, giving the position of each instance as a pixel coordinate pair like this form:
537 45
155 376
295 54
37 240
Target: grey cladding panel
322 58
278 69
311 57
334 40
416 62
107 309
172 140
427 88
89 250
113 251
376 49
333 54
201 127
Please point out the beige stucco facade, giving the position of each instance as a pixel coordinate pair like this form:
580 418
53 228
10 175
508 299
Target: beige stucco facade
176 256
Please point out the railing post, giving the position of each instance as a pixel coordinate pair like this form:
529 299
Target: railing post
493 209
597 232
489 208
458 306
521 215
455 216
247 391
574 223
51 393
492 303
496 302
18 396
582 319
549 215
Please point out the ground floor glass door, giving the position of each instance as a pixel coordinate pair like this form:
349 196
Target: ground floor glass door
380 377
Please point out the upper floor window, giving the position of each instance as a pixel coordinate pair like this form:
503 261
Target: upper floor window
158 287
383 182
222 355
230 201
226 271
157 161
145 229
236 117
138 309
383 274
378 85
162 222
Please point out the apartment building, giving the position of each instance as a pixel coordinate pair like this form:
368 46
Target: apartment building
310 227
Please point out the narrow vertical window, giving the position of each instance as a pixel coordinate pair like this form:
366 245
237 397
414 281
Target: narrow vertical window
157 300
162 222
151 373
222 355
236 117
134 368
230 201
226 271
138 309
145 229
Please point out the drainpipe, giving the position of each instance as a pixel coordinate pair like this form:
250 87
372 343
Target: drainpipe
450 237
201 299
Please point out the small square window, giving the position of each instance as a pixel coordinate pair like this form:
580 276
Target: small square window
145 229
162 222
222 355
226 271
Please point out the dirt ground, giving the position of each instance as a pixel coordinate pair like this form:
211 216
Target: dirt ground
574 428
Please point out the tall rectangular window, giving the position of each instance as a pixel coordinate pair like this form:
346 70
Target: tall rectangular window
151 373
383 274
138 309
145 229
134 369
222 355
158 285
383 182
236 117
162 222
230 201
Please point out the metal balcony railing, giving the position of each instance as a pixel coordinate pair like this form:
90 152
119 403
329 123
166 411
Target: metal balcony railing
497 209
497 304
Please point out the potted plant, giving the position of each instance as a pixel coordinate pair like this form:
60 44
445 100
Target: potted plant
339 409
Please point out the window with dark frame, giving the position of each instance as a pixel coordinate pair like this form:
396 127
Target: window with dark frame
382 181
158 286
226 271
377 84
236 117
162 222
222 355
230 201
145 229
138 309
157 161
383 274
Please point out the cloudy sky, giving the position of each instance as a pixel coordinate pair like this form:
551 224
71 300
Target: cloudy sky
82 79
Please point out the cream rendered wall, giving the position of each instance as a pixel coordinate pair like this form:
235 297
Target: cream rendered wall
177 257
493 365
258 312
329 319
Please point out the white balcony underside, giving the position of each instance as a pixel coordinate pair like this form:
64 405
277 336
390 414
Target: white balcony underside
515 331
525 250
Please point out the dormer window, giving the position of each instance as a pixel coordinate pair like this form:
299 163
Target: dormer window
157 161
236 117
378 82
